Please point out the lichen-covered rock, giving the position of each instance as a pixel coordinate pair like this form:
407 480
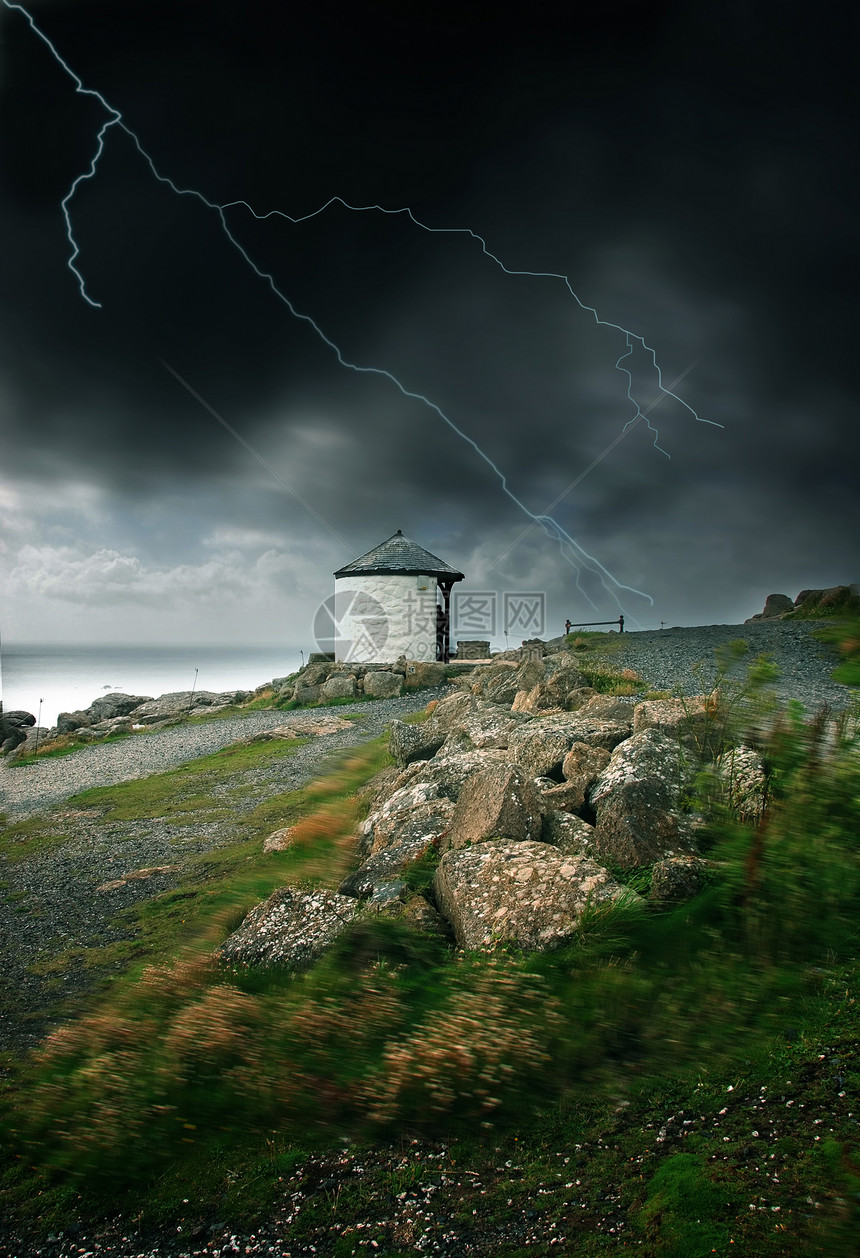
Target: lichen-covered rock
419 805
291 929
307 694
499 802
679 717
677 878
637 799
522 893
584 763
279 840
410 836
569 796
541 745
568 834
610 708
414 742
383 684
741 771
340 686
447 770
500 682
485 725
451 711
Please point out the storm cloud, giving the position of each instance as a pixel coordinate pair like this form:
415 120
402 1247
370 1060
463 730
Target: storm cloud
687 168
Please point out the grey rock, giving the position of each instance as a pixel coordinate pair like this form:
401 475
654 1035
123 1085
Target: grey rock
637 799
448 771
498 802
679 717
307 694
292 928
485 725
382 685
570 835
408 743
67 722
338 687
407 829
677 878
117 705
522 893
541 745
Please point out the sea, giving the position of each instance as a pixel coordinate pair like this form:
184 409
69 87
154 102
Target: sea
48 679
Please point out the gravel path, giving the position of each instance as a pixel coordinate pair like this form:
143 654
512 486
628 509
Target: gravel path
35 786
683 659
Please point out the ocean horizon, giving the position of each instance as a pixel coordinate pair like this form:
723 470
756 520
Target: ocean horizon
67 678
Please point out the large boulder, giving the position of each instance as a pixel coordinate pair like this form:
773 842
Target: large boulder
376 830
567 833
582 766
408 743
393 849
499 802
109 706
340 686
68 722
836 596
541 745
291 929
382 685
423 673
448 771
483 726
561 688
637 800
525 893
14 729
502 681
307 694
679 717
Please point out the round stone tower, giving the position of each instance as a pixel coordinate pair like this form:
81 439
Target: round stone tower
393 601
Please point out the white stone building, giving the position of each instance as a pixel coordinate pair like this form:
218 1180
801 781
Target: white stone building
393 601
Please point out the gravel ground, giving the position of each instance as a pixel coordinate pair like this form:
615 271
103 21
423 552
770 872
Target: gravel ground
34 787
684 660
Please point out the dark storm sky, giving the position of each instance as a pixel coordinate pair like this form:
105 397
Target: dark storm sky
690 168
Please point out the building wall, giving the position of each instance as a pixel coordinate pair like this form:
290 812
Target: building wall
382 617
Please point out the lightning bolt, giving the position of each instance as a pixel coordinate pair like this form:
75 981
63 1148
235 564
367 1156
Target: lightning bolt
578 558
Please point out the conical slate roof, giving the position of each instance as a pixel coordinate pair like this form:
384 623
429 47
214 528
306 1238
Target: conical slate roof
399 556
